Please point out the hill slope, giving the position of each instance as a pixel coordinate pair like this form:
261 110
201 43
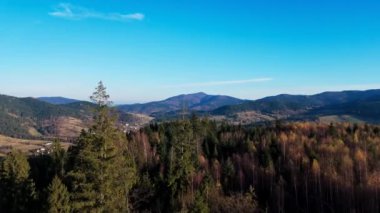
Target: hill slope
57 100
363 104
30 117
365 109
33 118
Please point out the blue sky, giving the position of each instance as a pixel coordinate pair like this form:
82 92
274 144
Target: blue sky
147 50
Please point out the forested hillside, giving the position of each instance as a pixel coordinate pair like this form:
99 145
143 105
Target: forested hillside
32 118
29 117
358 106
291 104
295 167
57 100
201 166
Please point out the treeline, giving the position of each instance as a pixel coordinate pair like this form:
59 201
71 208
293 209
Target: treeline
198 165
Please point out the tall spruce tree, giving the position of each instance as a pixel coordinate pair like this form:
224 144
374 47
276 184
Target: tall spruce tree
181 163
102 171
17 191
59 197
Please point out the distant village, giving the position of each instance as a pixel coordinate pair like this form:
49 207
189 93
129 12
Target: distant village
45 149
131 128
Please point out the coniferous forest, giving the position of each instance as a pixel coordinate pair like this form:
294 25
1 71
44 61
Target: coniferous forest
199 165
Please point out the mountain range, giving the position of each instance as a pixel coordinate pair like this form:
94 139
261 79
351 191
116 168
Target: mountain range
190 102
65 117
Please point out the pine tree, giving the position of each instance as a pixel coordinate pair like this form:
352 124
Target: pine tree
17 191
102 172
100 96
59 198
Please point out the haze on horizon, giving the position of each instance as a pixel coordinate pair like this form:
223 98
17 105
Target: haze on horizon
148 50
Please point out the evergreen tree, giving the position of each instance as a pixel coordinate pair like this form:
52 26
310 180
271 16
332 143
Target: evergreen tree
58 156
102 172
181 162
100 96
17 191
59 198
200 204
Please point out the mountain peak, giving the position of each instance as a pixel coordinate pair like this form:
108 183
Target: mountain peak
199 101
198 93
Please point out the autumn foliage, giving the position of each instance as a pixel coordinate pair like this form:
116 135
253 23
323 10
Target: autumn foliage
292 167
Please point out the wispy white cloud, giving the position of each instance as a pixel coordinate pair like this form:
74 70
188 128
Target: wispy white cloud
69 11
219 83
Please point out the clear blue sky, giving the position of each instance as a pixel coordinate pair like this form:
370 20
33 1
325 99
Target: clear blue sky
148 49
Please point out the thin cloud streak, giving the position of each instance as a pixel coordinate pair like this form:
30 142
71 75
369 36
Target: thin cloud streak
69 11
219 83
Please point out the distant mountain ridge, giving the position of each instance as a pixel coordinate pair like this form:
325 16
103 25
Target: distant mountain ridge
357 104
367 108
58 100
285 102
192 102
34 118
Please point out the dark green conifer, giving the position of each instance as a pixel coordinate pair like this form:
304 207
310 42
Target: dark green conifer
59 197
182 160
102 172
17 191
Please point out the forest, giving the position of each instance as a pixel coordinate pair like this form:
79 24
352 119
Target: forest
199 165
